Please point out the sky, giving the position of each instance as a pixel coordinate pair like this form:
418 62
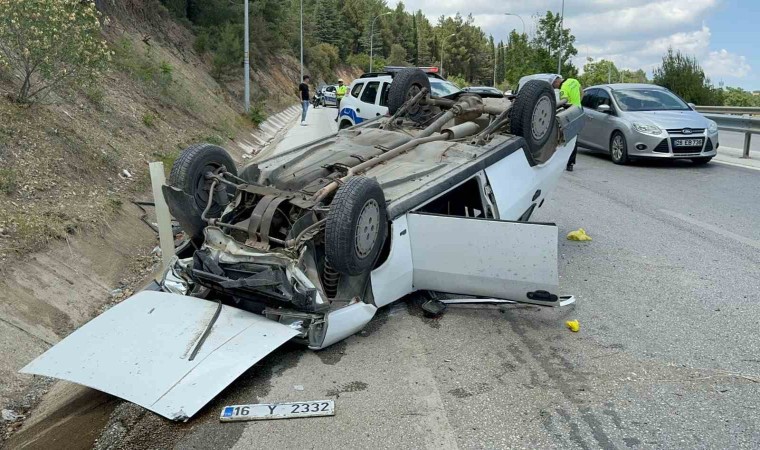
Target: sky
722 34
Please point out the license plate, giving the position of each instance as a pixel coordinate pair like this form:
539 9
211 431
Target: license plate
267 411
687 142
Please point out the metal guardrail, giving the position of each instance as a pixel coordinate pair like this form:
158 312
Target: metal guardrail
735 118
752 110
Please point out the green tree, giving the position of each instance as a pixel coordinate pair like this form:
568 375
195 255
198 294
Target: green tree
519 58
48 44
599 72
633 76
500 69
683 75
326 22
739 97
398 56
552 39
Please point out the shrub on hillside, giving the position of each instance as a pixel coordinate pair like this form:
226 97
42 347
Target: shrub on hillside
361 60
48 44
323 59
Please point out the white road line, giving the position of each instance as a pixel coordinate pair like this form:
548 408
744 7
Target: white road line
737 237
718 161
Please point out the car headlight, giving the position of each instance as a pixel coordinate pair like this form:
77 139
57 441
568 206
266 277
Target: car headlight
712 127
645 128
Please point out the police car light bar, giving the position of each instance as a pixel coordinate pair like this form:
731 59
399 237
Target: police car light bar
398 68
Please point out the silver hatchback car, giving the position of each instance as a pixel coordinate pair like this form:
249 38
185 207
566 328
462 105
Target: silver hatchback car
645 121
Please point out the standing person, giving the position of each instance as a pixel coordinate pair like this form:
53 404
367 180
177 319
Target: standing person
569 89
303 90
340 92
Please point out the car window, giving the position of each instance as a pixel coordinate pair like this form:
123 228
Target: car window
648 100
442 88
330 88
384 94
602 98
356 89
588 98
370 92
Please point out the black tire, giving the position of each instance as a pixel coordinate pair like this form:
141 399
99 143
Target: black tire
406 84
189 174
344 124
619 157
701 161
534 116
360 203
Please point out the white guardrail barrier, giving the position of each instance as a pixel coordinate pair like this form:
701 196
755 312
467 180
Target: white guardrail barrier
735 118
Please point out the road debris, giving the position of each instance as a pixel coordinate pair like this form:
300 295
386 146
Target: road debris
267 411
578 235
10 415
573 325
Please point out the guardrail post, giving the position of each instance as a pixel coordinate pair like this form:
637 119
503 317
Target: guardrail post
747 141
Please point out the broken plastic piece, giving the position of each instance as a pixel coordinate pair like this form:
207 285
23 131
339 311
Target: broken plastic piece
433 308
573 325
578 235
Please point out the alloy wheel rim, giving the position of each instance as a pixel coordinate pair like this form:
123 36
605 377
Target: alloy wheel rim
617 148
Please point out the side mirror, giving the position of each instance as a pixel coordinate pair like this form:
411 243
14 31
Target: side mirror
692 106
604 109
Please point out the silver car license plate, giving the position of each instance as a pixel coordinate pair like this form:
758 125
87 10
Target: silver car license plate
687 142
266 411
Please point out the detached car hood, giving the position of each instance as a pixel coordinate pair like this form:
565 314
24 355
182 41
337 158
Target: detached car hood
140 350
669 120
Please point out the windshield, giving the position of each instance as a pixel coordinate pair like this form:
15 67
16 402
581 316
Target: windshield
442 88
648 100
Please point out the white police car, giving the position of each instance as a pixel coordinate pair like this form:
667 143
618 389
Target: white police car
367 96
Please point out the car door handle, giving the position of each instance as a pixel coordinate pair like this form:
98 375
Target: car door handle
358 110
377 114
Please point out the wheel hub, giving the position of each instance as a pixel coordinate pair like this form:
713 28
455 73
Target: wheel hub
617 148
541 119
367 228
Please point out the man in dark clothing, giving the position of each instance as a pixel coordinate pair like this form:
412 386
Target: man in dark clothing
303 90
569 89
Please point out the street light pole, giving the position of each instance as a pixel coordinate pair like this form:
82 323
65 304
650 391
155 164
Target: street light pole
523 24
559 50
519 17
301 80
372 38
246 64
443 42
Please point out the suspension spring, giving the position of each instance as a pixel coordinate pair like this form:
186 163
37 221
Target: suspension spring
330 279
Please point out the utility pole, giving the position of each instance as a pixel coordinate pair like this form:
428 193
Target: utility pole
495 57
246 64
559 51
301 80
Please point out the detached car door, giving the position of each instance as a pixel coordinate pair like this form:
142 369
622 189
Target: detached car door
485 257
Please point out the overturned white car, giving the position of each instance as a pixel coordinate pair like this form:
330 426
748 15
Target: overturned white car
308 244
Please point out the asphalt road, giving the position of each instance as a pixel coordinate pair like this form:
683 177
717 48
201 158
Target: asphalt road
667 355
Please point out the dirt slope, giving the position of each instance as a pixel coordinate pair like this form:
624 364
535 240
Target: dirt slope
70 168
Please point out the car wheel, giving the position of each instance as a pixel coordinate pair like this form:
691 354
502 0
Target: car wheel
406 84
189 175
701 161
344 124
356 226
534 116
618 148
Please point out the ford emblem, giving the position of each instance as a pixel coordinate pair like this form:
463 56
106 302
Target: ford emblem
686 131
